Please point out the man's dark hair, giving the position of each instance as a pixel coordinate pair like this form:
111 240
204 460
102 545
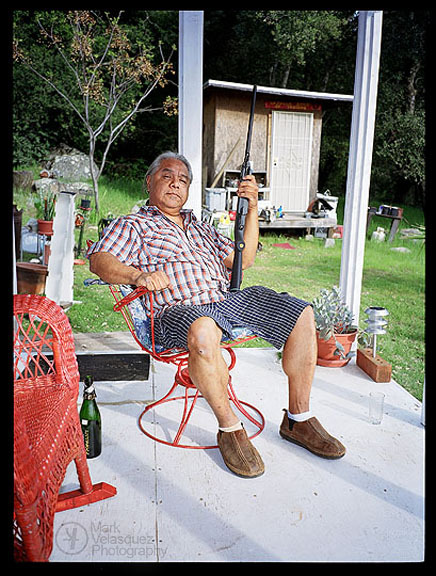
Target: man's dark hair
155 165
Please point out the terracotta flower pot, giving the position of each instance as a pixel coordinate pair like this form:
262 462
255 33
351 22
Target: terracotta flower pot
31 278
45 227
326 349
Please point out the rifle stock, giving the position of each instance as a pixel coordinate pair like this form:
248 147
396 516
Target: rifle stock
242 206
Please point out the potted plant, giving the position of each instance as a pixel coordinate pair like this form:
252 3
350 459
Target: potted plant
45 203
335 330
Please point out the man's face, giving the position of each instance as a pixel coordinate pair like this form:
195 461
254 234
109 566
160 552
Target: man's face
169 186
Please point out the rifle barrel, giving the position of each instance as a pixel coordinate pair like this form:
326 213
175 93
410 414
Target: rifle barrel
250 124
242 206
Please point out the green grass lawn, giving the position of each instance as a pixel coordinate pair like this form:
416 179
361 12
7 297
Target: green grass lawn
390 279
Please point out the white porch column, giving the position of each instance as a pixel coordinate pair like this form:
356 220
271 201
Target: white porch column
60 279
360 158
191 99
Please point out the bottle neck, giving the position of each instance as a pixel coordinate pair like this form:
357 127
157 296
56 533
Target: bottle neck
89 392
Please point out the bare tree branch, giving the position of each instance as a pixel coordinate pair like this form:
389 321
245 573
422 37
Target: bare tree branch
105 73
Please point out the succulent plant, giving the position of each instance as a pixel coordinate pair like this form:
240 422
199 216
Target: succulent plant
332 316
45 203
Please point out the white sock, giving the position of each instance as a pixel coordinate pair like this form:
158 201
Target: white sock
237 426
300 417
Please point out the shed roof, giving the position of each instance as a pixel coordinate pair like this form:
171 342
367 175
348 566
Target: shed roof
278 91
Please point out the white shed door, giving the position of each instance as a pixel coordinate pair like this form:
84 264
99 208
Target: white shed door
291 158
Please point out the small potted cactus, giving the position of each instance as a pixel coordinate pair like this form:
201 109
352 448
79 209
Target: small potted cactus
335 330
45 204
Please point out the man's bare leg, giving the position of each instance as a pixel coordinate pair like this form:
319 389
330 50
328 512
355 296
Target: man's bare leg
209 373
208 370
299 361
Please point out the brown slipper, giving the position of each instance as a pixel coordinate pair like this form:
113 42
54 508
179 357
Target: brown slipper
239 454
311 435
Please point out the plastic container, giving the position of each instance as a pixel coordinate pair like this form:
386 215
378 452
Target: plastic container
216 198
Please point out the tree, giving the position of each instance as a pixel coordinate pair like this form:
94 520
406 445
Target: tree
104 81
399 158
297 34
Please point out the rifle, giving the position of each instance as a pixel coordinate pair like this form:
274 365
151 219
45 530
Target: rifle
242 206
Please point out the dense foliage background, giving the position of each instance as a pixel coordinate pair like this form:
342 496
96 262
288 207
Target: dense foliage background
310 50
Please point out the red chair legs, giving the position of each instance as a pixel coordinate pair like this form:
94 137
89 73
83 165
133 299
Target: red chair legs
189 401
88 492
179 358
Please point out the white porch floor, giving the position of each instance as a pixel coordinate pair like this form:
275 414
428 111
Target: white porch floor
184 505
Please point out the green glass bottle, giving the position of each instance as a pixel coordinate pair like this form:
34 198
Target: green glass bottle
90 419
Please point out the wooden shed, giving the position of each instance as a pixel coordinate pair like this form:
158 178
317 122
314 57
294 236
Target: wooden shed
285 146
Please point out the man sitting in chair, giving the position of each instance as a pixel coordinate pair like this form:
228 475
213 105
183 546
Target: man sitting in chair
186 263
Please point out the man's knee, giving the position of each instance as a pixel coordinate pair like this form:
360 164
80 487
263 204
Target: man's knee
204 337
307 319
300 350
304 329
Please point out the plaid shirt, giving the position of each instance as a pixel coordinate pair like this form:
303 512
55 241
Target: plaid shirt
193 259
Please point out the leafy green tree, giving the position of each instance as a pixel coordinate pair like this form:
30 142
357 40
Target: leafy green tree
296 35
102 78
309 50
399 148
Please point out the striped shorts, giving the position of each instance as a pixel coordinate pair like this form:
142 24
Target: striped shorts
269 314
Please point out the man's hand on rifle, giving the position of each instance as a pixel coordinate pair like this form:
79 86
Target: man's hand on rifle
249 189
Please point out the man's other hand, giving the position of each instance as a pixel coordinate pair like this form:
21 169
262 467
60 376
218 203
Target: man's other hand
154 281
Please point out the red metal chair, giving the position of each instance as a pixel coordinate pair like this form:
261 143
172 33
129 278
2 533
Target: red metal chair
47 432
130 303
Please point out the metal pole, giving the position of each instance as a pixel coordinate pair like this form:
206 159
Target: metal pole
360 158
191 99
